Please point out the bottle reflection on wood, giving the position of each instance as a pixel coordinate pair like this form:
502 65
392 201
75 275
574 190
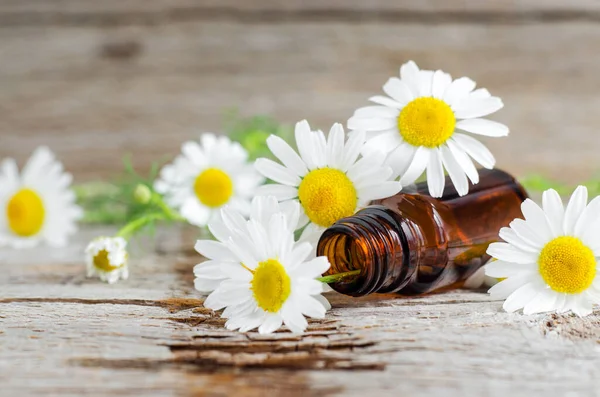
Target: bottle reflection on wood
412 243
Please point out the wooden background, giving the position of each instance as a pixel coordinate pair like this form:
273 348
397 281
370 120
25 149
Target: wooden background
98 79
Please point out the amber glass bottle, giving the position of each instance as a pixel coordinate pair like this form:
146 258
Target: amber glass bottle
412 243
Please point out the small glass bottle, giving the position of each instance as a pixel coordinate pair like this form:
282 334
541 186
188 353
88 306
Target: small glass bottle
412 243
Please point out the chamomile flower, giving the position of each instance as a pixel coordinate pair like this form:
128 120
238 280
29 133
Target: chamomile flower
551 259
106 257
417 123
206 176
38 204
231 223
326 176
265 278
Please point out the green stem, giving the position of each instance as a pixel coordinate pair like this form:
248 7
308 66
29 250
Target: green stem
129 229
168 211
337 277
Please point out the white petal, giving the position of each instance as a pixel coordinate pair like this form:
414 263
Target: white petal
544 301
480 93
589 217
527 234
292 318
315 267
371 123
458 90
287 155
424 82
311 307
398 90
574 209
385 101
483 127
581 306
506 287
435 174
400 158
271 324
299 254
554 210
465 162
382 143
409 73
470 108
205 285
304 143
456 173
521 297
511 237
416 167
475 149
376 111
508 253
380 191
356 140
323 301
281 192
502 269
441 82
536 219
277 172
214 250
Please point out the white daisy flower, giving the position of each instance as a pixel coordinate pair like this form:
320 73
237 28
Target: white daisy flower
38 204
417 126
206 176
106 257
551 259
266 278
326 177
231 223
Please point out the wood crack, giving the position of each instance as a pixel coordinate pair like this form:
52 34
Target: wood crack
172 304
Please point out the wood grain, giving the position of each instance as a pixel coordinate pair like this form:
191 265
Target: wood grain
149 80
62 334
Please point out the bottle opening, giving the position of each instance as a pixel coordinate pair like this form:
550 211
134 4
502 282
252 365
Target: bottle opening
369 241
347 251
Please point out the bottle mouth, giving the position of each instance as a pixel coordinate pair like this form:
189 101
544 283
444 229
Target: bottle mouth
370 241
346 252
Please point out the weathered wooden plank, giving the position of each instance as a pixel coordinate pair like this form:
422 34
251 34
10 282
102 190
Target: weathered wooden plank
70 88
63 335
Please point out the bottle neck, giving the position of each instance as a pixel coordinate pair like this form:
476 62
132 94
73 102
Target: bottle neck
374 241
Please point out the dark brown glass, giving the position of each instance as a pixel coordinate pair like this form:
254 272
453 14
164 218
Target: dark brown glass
412 243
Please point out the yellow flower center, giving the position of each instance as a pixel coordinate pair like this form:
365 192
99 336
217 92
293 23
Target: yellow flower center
213 187
102 262
271 285
25 213
426 122
327 195
567 265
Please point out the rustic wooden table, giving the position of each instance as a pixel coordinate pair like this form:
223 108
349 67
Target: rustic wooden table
62 334
97 79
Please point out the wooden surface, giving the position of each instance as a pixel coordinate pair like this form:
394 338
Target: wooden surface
98 79
64 335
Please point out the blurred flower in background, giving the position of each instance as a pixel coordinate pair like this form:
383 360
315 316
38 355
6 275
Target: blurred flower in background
206 176
106 257
38 204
